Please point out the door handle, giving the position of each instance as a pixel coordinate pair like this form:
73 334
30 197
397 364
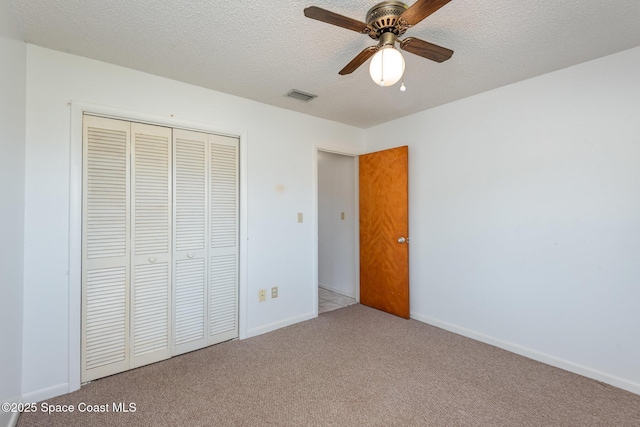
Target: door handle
403 240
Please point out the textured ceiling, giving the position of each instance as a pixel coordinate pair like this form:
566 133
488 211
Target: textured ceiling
260 49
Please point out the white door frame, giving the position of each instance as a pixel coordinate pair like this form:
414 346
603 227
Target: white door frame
75 215
349 153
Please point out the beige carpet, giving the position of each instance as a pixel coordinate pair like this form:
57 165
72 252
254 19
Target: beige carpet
354 367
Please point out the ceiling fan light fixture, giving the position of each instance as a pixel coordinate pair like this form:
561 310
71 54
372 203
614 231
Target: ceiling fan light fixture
387 66
386 22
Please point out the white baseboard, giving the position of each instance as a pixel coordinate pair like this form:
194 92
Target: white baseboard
9 419
336 290
281 324
45 393
533 354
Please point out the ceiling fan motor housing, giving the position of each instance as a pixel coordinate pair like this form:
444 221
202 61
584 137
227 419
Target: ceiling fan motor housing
383 18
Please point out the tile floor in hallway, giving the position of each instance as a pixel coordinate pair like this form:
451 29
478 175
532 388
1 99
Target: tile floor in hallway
328 300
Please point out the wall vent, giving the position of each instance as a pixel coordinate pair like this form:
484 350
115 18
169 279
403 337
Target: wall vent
300 95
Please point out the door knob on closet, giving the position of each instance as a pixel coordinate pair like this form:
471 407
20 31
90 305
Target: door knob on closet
152 259
402 240
190 255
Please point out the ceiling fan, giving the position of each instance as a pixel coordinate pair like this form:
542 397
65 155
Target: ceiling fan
386 22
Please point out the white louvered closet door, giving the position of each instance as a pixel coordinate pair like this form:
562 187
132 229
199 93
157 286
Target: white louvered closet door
159 245
223 256
151 225
191 240
105 247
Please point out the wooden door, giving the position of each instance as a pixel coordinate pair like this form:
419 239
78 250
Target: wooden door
384 228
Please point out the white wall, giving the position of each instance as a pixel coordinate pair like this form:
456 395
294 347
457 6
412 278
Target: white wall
336 236
12 149
525 216
281 156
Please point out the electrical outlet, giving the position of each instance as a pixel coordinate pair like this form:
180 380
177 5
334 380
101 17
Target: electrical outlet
262 295
274 292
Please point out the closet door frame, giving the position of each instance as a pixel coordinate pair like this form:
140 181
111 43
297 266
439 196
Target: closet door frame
78 109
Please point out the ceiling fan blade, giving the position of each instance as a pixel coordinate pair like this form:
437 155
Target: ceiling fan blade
360 59
329 17
425 49
420 10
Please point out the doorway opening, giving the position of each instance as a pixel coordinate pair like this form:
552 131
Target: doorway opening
338 231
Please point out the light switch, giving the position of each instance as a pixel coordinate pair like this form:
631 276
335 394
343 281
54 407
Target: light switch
342 216
299 217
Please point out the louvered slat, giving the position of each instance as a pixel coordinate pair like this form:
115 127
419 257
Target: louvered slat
151 310
223 294
190 194
189 300
106 206
224 198
151 212
105 341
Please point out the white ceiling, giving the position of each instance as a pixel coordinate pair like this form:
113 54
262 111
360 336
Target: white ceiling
260 49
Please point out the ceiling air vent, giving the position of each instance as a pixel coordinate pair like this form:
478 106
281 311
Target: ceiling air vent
299 95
